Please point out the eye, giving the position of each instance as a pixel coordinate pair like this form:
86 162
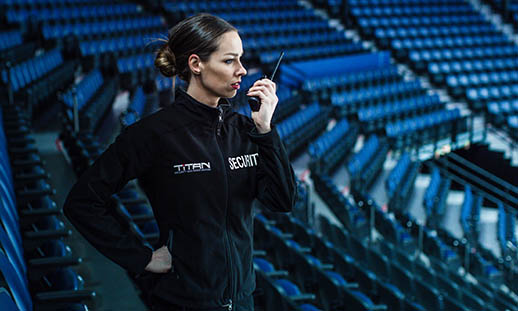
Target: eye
229 61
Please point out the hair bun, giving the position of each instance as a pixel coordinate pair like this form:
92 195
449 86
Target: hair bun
165 61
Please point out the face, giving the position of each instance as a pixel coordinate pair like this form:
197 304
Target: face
221 73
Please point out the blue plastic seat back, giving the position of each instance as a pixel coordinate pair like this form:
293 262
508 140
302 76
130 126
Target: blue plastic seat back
337 278
14 253
287 287
6 301
17 286
263 265
308 307
64 279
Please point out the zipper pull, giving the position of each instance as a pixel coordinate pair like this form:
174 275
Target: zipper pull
220 120
228 305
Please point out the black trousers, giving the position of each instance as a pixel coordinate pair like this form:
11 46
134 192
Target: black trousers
245 304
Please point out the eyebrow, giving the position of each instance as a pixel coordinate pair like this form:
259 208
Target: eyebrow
233 54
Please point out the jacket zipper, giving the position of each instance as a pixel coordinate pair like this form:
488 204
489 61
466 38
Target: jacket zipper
218 133
170 248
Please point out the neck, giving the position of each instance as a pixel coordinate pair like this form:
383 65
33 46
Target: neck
201 94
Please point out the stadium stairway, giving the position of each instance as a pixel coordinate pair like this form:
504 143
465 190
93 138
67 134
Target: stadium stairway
106 278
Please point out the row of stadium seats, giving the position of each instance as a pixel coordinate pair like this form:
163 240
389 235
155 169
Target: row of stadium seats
506 231
282 28
500 111
348 81
481 96
433 31
486 66
190 7
409 44
470 215
351 102
38 79
460 51
36 266
14 48
94 96
395 235
296 33
442 292
292 41
268 15
434 200
119 44
310 53
370 23
85 12
377 116
329 139
426 128
458 83
10 39
364 166
47 3
23 74
396 2
330 149
135 109
299 128
412 10
281 290
383 264
423 57
344 268
350 215
136 69
103 28
400 182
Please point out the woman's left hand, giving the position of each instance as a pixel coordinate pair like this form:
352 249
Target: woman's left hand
264 89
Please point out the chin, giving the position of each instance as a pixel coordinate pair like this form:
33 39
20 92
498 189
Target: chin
231 94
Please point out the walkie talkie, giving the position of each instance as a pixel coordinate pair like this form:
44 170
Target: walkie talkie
254 101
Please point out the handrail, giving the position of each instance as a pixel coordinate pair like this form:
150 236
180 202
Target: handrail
499 134
460 180
474 179
483 172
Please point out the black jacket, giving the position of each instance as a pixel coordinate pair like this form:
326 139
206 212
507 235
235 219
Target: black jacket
201 168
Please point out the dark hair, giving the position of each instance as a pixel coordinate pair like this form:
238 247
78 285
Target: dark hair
198 34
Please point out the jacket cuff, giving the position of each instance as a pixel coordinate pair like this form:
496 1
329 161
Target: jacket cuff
268 140
141 261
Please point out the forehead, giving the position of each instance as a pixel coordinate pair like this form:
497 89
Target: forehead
230 42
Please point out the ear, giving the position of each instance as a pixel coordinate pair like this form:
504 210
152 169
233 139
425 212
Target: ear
195 64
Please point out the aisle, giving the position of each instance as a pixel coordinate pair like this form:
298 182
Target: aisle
114 288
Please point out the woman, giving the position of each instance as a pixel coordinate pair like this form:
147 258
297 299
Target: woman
201 166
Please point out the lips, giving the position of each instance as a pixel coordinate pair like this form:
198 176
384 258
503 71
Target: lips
235 85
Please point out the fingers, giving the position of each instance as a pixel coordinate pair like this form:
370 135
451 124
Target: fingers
259 93
263 89
267 83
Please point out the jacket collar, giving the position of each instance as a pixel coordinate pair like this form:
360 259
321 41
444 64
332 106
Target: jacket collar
200 109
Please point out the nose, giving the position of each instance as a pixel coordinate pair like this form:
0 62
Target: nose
241 70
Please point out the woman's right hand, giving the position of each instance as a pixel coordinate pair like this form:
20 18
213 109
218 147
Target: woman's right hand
161 261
